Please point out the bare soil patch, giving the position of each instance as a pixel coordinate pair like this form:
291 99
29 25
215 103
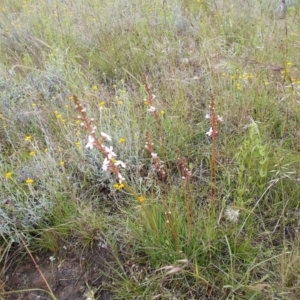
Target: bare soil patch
74 273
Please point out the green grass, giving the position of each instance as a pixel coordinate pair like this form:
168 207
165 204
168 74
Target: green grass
175 232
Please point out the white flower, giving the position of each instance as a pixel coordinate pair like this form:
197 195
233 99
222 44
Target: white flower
109 152
120 163
90 143
220 119
106 136
209 133
232 215
207 116
154 155
152 109
121 178
105 164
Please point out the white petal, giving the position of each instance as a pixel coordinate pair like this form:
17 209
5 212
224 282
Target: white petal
106 136
154 155
209 133
105 164
120 163
90 143
121 178
152 109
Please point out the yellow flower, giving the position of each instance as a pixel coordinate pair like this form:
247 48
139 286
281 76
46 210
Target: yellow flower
162 112
266 82
46 150
33 104
28 138
32 153
57 114
238 86
71 98
118 186
95 88
102 103
122 140
29 181
120 102
288 63
78 145
62 163
141 199
8 175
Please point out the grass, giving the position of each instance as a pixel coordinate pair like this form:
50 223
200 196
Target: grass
195 215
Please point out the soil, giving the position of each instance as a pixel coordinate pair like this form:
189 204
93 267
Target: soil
71 274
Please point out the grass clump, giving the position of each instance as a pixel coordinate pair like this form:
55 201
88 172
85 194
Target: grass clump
167 133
